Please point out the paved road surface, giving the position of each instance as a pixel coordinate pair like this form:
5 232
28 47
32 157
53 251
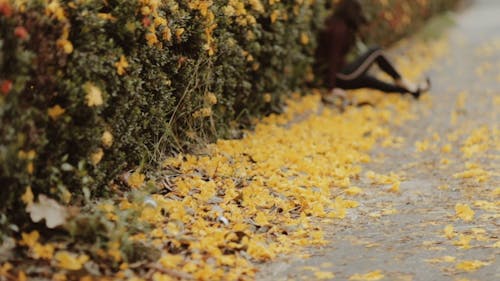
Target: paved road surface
465 98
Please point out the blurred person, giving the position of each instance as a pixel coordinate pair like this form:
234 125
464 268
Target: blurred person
335 43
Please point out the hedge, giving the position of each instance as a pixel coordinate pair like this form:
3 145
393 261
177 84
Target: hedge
90 89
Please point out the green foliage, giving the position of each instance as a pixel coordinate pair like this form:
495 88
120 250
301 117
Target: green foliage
180 55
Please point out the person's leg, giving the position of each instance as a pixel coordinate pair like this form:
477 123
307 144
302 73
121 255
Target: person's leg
367 81
362 64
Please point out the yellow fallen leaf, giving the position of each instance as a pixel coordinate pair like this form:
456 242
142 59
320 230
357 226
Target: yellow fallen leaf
21 276
395 187
136 179
261 219
323 275
464 212
370 276
449 232
470 266
309 268
463 242
353 190
29 239
70 261
446 148
445 161
162 277
387 212
43 251
442 259
326 264
422 146
5 268
260 251
443 187
496 192
486 205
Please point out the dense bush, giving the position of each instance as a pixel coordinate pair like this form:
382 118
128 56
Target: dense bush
91 88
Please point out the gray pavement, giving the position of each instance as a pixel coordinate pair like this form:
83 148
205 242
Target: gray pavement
401 244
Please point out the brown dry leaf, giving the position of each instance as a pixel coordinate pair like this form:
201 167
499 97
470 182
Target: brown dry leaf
48 209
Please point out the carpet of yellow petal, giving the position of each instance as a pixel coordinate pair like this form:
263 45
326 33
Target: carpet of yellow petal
245 201
250 199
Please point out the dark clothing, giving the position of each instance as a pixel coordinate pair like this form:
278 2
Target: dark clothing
354 75
335 43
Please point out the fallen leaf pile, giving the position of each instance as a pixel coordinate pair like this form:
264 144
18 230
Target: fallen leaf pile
212 216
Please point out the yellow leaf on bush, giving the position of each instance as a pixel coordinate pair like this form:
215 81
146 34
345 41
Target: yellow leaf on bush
274 15
179 32
107 139
70 261
267 98
151 38
94 94
370 276
464 212
304 39
106 16
167 34
96 157
65 45
55 111
121 65
28 196
211 98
